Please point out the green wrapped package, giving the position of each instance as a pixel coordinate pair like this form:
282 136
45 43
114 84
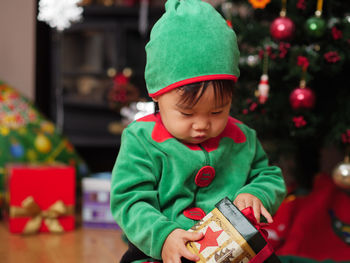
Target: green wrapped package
28 137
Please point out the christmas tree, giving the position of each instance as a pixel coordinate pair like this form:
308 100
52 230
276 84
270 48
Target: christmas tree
294 83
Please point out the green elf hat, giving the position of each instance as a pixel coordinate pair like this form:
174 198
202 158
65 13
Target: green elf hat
190 43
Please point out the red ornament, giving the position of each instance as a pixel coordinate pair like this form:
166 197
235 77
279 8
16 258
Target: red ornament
302 98
282 29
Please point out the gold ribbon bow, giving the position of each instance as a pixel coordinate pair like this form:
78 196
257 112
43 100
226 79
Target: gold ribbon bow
29 208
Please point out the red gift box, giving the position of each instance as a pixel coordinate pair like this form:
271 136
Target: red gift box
40 198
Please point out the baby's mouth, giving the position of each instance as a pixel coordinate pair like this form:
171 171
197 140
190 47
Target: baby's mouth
199 137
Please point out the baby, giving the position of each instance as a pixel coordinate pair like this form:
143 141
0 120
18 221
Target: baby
175 165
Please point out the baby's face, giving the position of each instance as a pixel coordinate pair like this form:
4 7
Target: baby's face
194 124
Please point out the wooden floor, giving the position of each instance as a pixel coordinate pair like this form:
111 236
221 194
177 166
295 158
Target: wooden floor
81 245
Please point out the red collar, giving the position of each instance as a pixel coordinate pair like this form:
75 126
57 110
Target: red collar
160 133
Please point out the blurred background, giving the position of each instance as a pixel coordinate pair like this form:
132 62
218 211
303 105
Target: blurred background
71 79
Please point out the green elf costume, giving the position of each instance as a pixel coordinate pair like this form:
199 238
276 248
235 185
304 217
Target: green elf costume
158 182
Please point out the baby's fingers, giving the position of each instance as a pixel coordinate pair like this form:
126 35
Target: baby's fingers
174 259
189 255
193 236
257 211
240 203
266 214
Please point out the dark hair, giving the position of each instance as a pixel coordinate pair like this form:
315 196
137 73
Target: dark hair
192 93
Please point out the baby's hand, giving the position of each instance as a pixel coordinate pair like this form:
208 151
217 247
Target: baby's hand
245 200
175 246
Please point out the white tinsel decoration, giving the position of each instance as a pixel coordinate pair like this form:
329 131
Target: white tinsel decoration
59 13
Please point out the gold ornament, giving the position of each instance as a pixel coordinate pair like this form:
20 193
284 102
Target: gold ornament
341 174
42 143
47 127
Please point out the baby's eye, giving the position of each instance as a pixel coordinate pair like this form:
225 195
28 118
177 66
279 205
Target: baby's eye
216 112
186 114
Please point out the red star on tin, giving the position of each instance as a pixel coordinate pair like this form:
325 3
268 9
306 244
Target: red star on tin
209 239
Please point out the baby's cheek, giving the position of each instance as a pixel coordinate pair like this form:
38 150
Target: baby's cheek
218 127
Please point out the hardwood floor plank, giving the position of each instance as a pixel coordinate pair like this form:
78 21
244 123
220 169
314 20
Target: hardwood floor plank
81 245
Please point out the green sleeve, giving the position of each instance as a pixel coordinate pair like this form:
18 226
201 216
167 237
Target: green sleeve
134 202
264 181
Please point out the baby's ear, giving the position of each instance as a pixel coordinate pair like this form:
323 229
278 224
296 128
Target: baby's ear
155 99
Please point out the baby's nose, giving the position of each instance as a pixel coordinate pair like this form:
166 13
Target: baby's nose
201 124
